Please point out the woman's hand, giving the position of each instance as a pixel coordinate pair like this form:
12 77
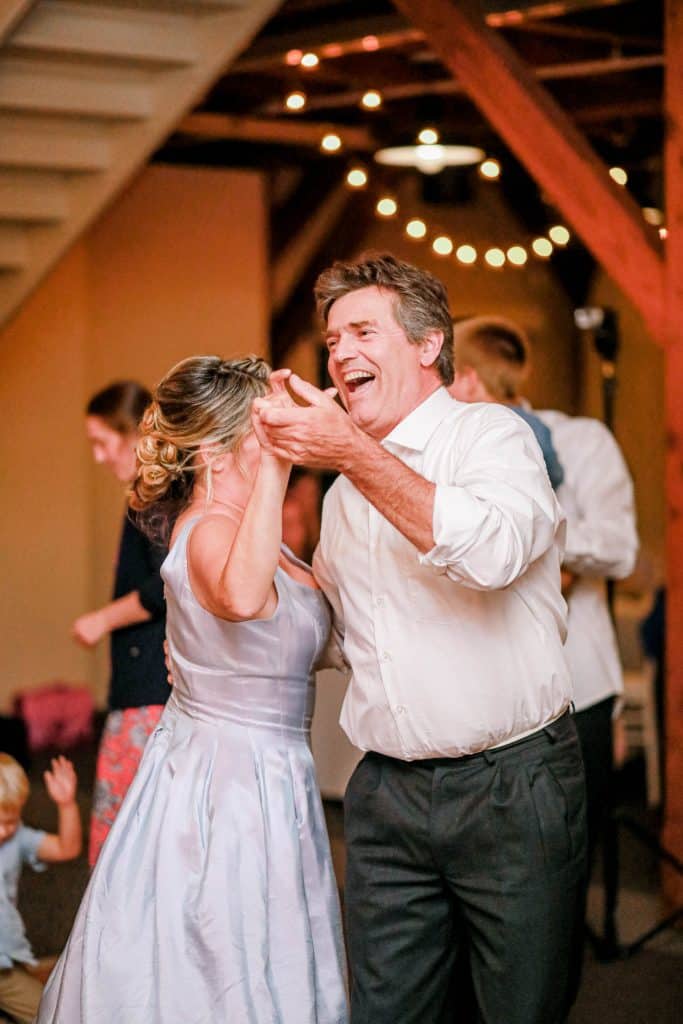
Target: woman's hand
89 629
278 398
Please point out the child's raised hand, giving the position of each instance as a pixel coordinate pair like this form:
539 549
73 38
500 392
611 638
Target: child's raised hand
61 781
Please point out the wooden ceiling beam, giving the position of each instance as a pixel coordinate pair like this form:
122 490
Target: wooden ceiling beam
673 318
551 147
454 86
213 127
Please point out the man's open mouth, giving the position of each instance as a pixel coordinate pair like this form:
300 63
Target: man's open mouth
357 379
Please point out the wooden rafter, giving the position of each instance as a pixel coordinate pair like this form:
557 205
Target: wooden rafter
548 143
673 319
214 127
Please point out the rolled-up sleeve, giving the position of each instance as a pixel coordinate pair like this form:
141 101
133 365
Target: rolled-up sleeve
499 513
602 538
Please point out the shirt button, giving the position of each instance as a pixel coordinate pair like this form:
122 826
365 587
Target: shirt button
134 652
400 709
379 601
385 656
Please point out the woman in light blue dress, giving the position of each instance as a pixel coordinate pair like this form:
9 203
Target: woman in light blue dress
214 899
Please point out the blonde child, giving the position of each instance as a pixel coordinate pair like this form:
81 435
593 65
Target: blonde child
19 991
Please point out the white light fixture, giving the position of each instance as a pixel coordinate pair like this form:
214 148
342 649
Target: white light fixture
430 159
296 101
428 136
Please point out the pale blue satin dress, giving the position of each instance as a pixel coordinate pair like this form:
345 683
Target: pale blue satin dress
214 898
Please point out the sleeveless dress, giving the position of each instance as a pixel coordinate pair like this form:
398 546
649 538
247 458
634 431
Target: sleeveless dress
214 899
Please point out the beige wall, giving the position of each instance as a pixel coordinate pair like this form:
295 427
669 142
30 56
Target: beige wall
177 266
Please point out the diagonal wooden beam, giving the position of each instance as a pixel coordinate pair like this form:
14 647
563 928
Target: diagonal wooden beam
551 147
673 167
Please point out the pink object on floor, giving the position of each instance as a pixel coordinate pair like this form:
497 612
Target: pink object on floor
56 715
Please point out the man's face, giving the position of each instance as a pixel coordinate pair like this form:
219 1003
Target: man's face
381 376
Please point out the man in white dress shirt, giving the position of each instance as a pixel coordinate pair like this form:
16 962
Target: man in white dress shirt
440 555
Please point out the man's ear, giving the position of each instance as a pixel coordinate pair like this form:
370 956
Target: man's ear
430 347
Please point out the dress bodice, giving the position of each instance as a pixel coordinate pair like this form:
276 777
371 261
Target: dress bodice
258 672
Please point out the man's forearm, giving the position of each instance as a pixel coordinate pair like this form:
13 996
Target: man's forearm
402 496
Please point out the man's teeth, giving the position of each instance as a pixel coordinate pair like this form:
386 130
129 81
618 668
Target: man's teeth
356 375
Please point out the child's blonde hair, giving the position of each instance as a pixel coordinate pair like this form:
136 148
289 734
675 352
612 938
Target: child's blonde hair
14 784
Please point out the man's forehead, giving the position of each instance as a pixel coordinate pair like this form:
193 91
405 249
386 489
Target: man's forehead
361 306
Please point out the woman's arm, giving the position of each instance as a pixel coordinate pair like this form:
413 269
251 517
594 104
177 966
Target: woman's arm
89 629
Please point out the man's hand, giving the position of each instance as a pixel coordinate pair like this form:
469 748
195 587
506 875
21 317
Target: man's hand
89 629
319 434
167 662
61 781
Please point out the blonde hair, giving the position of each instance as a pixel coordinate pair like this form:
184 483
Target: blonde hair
497 349
202 401
14 784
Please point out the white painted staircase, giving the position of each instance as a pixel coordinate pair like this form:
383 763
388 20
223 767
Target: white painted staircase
88 90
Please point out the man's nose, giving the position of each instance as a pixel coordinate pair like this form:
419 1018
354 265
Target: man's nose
345 348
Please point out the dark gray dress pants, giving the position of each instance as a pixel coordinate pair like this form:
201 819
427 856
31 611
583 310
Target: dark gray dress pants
479 859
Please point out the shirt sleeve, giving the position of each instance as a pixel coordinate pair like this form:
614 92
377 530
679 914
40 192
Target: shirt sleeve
499 514
30 840
601 522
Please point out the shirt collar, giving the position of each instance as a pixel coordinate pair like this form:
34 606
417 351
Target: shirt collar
419 425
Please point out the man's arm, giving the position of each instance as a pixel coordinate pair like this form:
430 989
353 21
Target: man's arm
483 527
602 540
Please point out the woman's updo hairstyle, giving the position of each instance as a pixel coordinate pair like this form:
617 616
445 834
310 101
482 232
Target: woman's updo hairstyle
204 400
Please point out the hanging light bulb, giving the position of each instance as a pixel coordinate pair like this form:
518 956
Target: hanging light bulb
495 257
490 169
310 60
442 245
517 255
296 101
559 234
387 207
331 143
416 228
619 175
543 247
466 254
293 58
371 99
428 136
357 177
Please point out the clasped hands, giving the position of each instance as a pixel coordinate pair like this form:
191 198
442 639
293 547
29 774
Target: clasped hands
318 434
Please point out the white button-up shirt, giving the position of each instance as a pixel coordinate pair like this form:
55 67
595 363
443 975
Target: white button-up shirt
602 542
460 649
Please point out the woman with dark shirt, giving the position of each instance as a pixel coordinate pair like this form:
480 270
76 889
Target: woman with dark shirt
134 618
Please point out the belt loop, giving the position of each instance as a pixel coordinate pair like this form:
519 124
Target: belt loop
489 756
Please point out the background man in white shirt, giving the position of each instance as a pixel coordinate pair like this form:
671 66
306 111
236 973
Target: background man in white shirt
492 361
439 553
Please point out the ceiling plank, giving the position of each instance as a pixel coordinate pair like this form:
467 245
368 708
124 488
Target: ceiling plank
673 812
551 147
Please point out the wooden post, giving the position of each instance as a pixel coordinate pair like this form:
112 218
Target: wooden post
673 325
